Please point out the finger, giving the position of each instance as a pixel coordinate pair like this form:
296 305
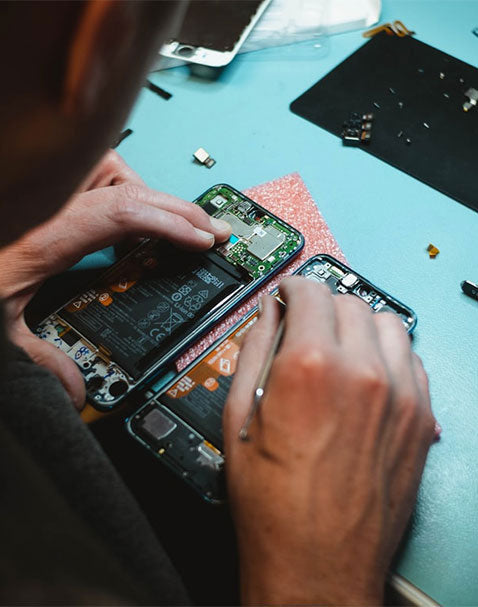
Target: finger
396 350
46 355
102 224
310 320
254 352
190 211
411 406
356 330
423 386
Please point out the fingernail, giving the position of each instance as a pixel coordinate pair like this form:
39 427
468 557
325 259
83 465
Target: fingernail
220 225
260 306
438 430
205 235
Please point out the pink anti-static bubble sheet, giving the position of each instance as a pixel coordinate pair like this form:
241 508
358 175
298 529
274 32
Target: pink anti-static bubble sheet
289 199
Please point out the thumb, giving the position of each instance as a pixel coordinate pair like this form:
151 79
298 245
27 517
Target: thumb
46 355
252 357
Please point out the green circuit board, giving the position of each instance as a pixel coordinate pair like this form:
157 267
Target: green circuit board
259 240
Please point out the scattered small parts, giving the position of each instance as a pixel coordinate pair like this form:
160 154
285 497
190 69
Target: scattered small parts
470 288
204 158
472 95
432 251
357 129
121 137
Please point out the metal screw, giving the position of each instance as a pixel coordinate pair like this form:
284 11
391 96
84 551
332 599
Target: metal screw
462 81
426 125
400 104
400 134
392 90
446 95
377 105
442 76
408 141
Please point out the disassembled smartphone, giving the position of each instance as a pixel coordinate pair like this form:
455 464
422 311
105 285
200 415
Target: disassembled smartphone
213 31
151 305
181 423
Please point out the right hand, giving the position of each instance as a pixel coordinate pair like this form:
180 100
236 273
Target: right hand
322 492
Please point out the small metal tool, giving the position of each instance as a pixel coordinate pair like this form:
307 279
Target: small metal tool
470 288
261 384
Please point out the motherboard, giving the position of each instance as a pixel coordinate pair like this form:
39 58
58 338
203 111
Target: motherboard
258 240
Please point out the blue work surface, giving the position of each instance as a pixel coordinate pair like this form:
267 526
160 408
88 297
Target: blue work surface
383 220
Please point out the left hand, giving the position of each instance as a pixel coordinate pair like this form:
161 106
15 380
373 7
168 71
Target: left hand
113 203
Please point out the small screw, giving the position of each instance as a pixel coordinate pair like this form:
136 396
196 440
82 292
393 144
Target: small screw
392 90
446 95
426 125
400 104
442 76
408 141
462 81
400 134
377 105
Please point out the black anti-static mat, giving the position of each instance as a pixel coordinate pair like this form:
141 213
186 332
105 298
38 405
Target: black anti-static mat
419 92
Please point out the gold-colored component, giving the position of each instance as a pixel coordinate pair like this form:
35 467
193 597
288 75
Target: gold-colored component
212 447
106 353
397 28
432 251
161 451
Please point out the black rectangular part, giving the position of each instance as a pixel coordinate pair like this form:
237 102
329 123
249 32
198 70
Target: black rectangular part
70 337
202 409
158 90
428 89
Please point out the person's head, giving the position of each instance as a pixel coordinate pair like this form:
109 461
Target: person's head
70 72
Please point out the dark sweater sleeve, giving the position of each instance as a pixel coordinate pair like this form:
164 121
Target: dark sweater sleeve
100 540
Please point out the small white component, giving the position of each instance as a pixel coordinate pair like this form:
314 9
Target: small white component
472 95
218 201
349 280
258 231
341 289
203 157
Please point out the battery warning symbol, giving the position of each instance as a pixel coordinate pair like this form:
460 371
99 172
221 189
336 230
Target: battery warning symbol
211 384
225 365
105 299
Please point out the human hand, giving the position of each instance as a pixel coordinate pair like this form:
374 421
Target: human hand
112 204
322 492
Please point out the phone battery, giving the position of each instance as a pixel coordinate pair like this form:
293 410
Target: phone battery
199 395
143 309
